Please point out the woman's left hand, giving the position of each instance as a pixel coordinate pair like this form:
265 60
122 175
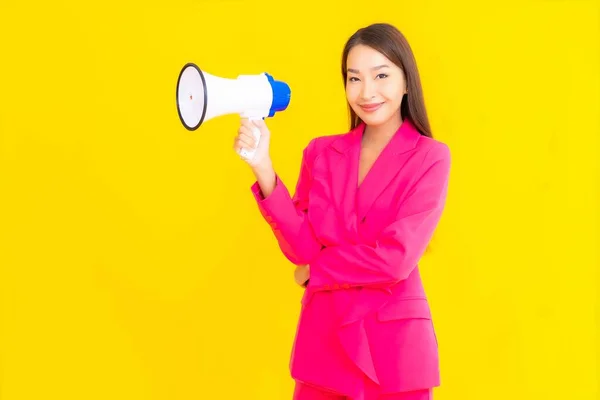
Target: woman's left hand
302 274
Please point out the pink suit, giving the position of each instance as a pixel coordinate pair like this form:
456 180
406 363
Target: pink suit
365 328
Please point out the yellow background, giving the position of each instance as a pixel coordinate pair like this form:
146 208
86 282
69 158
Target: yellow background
135 265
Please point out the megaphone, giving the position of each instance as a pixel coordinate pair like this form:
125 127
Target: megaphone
202 96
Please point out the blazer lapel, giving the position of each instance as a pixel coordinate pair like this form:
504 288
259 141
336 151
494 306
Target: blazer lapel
385 168
343 178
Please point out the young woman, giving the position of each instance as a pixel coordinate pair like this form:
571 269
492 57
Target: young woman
364 209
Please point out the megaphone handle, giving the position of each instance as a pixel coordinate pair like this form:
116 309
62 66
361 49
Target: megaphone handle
249 154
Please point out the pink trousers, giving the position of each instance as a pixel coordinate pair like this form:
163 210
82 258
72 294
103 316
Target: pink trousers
306 392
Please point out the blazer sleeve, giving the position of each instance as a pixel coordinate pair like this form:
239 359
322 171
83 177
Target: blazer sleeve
397 250
287 215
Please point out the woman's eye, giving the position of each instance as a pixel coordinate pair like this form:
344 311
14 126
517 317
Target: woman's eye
382 76
353 79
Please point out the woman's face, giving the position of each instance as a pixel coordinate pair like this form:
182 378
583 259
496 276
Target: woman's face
374 86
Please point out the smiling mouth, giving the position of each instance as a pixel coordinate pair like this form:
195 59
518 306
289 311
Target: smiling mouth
370 107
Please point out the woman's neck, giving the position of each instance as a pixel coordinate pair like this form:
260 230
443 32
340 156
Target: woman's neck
378 136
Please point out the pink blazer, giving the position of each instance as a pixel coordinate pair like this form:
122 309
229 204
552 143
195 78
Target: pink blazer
365 320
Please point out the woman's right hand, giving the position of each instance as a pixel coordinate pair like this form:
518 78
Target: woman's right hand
261 162
246 140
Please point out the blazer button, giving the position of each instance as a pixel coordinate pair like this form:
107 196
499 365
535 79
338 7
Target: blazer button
345 286
336 286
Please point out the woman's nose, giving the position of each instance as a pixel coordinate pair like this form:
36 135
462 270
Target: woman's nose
367 92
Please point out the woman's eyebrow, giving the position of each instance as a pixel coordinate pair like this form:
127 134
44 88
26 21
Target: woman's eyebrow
355 71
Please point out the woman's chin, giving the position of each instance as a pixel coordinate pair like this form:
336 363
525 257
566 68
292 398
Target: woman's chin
374 120
382 116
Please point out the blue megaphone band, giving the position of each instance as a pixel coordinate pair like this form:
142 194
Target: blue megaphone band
281 95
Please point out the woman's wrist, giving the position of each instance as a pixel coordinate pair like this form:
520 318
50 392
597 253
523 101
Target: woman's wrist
263 168
265 176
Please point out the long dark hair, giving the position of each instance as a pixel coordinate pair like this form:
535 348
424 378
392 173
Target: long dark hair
390 42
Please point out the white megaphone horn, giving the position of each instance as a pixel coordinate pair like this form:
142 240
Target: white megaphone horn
202 96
